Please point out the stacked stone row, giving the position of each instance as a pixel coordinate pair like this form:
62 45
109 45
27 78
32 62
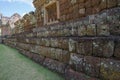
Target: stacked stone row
86 49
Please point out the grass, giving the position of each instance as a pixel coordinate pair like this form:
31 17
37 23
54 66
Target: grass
14 66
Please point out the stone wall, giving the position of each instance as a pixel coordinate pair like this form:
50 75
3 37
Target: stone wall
85 49
73 9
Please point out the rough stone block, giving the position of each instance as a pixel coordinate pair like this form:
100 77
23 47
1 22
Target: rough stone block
88 3
76 62
34 49
115 27
63 44
103 30
60 55
82 30
95 2
54 43
45 42
73 75
91 30
55 65
118 2
110 69
29 54
111 3
117 50
103 4
92 66
65 56
103 48
66 32
89 11
45 51
72 45
38 58
84 47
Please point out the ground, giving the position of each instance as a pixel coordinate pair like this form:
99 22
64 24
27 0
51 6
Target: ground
14 66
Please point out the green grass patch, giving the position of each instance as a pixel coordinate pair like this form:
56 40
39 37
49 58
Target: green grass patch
14 66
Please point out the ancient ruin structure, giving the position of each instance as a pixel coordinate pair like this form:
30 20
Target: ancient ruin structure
29 21
79 39
7 24
5 27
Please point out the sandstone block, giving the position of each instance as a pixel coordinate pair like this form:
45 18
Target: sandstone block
84 48
38 58
55 65
76 62
91 30
95 2
110 69
103 4
103 48
103 30
118 2
54 43
73 75
111 3
72 45
115 28
82 30
117 50
63 43
92 66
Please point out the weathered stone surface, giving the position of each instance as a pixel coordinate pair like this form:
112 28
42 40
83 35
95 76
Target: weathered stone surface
82 30
115 29
54 43
24 46
103 48
38 58
75 43
63 43
72 45
91 30
111 3
92 66
76 62
73 75
84 47
118 1
55 65
103 30
34 49
117 50
110 69
103 4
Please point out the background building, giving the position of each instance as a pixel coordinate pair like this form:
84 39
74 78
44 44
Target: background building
7 24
